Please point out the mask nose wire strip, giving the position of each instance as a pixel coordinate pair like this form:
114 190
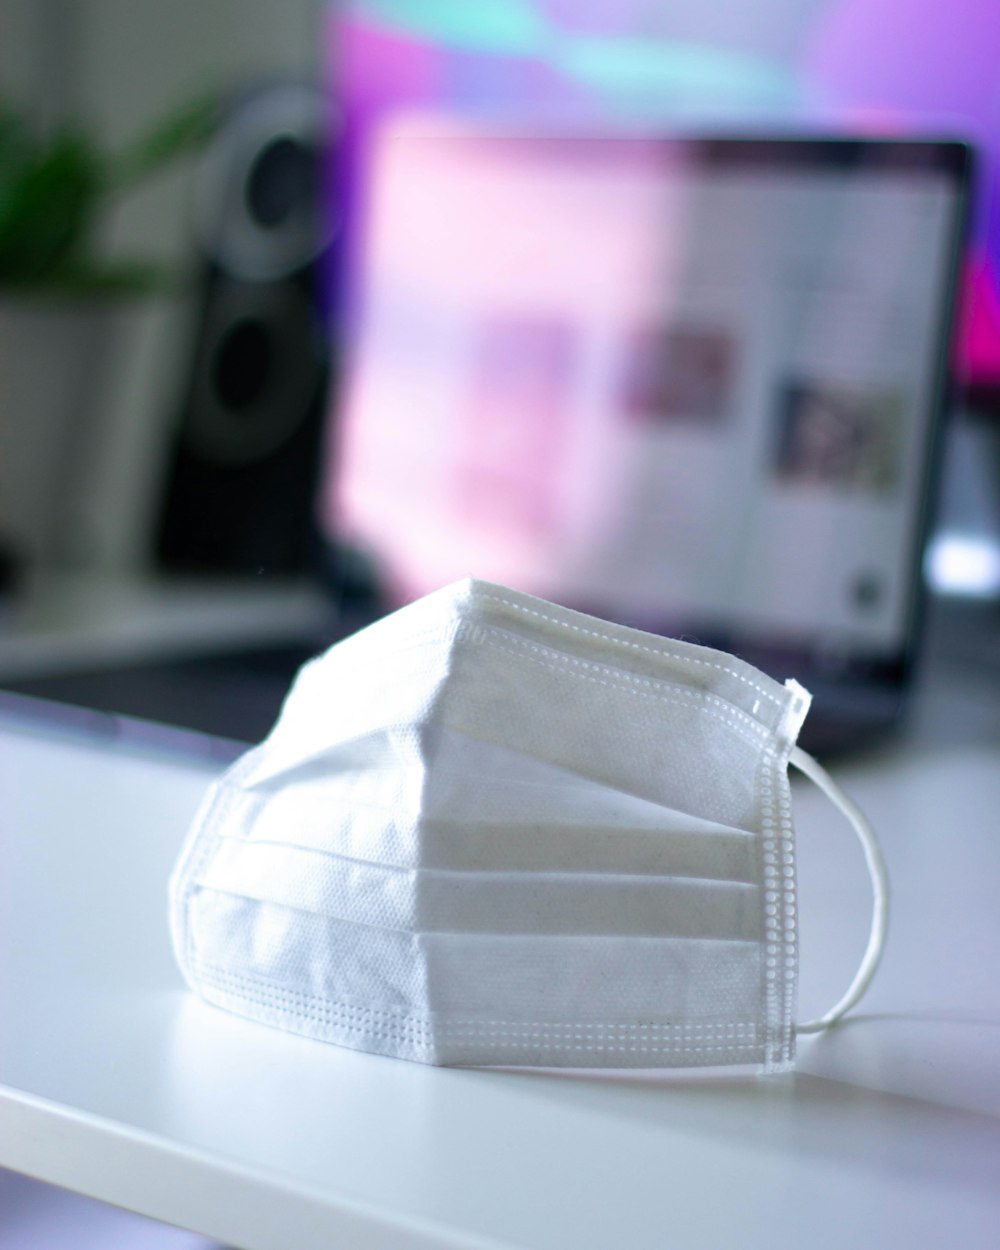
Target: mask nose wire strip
880 889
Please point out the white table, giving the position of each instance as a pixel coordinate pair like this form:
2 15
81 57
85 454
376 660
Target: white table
116 1082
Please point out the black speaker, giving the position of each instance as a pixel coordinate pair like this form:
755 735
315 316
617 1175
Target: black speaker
244 467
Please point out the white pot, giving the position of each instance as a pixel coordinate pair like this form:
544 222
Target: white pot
82 434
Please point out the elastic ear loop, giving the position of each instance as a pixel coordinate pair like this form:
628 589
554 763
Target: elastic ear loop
880 889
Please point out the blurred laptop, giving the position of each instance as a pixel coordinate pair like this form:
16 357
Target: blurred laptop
692 384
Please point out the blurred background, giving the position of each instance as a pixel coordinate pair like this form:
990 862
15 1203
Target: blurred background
185 196
186 216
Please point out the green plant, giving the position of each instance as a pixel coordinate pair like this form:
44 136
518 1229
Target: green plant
54 188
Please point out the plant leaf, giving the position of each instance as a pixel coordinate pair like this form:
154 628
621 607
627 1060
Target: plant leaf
184 130
46 206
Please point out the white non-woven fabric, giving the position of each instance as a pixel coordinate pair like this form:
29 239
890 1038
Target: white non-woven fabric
490 830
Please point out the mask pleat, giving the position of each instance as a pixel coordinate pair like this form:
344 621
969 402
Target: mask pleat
449 985
518 847
429 900
547 823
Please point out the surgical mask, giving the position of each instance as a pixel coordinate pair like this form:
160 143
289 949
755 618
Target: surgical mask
489 830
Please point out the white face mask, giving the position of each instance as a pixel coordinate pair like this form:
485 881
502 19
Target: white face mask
488 830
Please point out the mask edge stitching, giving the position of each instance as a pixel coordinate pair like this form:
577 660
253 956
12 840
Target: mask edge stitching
419 1030
780 941
751 732
636 646
629 681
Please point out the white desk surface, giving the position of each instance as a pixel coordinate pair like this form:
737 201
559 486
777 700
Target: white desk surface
116 1082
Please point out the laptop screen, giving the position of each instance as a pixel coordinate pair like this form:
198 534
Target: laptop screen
690 384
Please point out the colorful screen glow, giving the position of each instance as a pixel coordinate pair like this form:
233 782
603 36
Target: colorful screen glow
855 66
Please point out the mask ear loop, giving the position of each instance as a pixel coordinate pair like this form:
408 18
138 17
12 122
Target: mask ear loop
880 889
